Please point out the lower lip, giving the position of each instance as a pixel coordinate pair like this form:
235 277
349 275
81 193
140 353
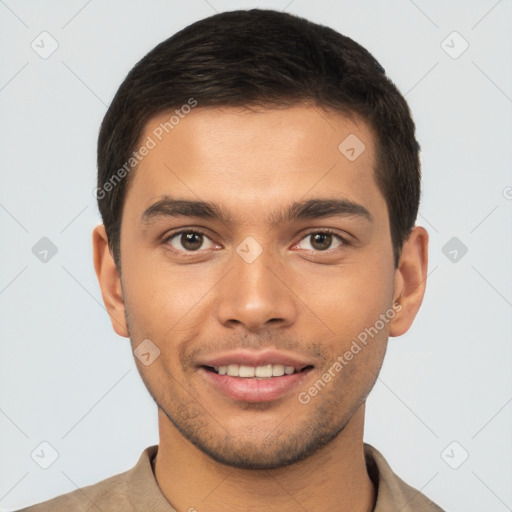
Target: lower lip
254 389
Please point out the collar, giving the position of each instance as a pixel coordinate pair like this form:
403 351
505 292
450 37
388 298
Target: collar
392 493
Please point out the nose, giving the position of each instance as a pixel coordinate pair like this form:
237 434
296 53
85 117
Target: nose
256 293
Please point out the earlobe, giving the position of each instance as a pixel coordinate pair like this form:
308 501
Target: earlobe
109 280
410 281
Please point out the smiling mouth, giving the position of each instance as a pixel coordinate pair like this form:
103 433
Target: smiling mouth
266 371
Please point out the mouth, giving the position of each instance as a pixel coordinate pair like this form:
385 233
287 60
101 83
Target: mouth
247 376
266 371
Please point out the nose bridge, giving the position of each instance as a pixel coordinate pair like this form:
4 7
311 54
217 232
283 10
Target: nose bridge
254 292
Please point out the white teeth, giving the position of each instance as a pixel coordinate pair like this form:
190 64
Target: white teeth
277 370
232 370
246 371
265 371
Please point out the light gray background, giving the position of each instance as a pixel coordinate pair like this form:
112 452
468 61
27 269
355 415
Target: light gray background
66 378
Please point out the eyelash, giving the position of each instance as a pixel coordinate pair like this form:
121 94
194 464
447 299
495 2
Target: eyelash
325 231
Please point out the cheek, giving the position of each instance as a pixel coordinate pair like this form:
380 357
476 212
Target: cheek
164 301
353 298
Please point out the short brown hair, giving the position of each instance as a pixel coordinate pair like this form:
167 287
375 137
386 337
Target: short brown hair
267 58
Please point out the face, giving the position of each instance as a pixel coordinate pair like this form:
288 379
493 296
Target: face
253 301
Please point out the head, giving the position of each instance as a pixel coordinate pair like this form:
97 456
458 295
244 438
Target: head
300 156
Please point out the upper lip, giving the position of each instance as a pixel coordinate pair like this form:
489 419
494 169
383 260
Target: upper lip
251 358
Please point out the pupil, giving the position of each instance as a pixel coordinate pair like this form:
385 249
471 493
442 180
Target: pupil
323 237
187 239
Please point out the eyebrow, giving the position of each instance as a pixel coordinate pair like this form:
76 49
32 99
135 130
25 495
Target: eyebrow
319 208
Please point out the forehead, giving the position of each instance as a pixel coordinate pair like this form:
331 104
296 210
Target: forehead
252 160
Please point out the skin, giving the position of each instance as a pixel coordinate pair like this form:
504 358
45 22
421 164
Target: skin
294 297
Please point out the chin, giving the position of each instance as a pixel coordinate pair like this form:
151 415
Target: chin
253 449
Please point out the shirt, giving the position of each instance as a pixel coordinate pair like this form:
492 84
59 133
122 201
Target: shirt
137 490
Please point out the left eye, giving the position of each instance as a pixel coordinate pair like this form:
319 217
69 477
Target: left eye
322 240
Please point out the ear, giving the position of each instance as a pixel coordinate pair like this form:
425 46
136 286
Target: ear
109 280
410 281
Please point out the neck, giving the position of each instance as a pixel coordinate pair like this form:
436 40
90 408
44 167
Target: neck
334 478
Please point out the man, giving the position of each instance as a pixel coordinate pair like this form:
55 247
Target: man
258 181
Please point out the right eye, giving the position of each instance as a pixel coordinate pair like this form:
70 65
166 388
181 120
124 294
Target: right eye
190 240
